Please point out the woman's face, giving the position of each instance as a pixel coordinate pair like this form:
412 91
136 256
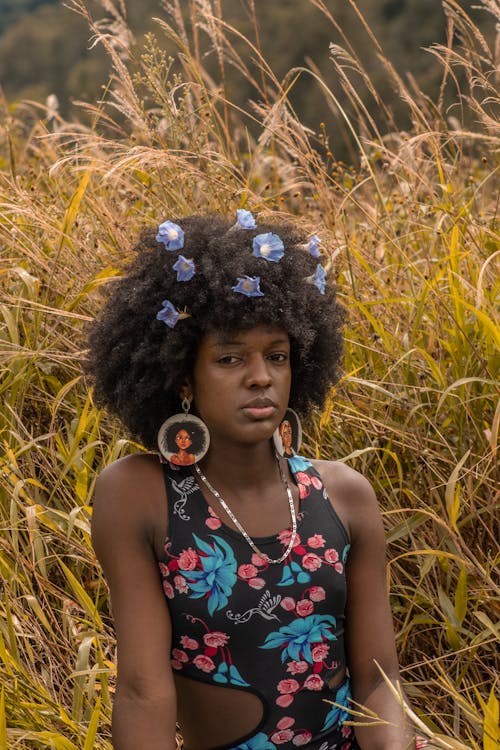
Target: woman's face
241 384
183 440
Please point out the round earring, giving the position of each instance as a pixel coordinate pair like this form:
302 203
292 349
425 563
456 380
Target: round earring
287 437
183 439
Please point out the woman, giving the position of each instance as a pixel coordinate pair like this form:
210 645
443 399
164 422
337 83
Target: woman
249 591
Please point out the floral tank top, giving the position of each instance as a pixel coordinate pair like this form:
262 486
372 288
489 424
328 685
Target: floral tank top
277 630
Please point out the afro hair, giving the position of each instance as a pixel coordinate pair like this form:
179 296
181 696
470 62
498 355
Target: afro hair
137 364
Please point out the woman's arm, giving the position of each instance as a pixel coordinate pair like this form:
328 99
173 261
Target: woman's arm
125 507
369 627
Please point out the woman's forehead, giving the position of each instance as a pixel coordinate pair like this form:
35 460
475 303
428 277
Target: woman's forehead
263 334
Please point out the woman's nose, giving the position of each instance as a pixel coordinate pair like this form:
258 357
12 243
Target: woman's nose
258 373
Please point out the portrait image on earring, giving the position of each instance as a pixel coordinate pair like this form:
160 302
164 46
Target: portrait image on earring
287 437
183 439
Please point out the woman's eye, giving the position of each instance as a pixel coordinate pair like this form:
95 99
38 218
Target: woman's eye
227 359
278 357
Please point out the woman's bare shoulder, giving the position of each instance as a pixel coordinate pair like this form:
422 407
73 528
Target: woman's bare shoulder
344 481
350 493
130 488
130 468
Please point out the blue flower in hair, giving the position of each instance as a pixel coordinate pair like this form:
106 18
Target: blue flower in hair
171 235
245 219
318 278
249 286
168 314
184 267
269 246
313 246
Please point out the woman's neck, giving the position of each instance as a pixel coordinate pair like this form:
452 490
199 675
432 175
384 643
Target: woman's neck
240 466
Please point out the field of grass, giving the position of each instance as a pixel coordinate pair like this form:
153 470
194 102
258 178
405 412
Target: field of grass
412 231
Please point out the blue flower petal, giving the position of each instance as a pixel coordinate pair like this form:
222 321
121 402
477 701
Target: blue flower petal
257 742
313 246
185 268
249 286
268 246
245 219
235 678
286 577
171 235
299 635
298 463
318 278
217 576
168 314
338 714
221 675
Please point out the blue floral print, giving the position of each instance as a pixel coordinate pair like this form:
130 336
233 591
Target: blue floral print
227 673
217 576
338 714
297 637
293 573
258 742
298 463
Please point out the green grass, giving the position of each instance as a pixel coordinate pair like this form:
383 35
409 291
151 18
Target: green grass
412 231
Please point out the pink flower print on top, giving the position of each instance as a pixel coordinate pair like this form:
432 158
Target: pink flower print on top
215 639
258 561
247 571
284 537
285 723
316 541
288 686
213 521
283 735
164 569
313 682
204 663
304 608
316 483
331 555
288 603
320 652
302 738
179 655
284 700
257 583
312 562
297 667
181 585
168 589
303 478
317 593
189 643
188 559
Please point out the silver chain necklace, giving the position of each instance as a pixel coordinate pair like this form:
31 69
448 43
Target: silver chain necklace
240 527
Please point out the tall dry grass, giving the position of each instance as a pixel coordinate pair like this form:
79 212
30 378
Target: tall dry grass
412 231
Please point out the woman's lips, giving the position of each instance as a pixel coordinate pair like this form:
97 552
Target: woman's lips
259 409
259 412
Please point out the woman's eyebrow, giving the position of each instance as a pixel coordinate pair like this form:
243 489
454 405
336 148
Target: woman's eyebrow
228 342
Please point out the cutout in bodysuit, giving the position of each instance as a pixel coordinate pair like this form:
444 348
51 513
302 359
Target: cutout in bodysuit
257 649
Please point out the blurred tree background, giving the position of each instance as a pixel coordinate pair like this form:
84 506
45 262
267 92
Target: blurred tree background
45 49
